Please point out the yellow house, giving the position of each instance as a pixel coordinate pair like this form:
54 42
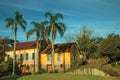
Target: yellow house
62 56
25 55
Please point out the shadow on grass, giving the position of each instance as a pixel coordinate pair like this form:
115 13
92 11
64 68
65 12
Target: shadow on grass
11 78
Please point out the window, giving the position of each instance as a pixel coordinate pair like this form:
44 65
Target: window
48 57
21 56
33 56
26 56
59 57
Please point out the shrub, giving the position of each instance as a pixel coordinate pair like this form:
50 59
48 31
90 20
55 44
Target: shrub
3 68
56 71
82 62
109 70
7 67
100 61
41 70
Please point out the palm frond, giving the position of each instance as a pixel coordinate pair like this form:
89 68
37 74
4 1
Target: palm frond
48 14
44 23
53 19
18 16
59 15
62 25
10 22
61 28
42 26
22 24
35 24
30 32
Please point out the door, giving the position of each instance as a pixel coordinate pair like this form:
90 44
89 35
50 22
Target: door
49 68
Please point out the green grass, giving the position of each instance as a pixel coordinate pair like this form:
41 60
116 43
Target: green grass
10 78
57 76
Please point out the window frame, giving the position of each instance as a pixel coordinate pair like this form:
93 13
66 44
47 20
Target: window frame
48 57
33 56
21 56
26 56
59 56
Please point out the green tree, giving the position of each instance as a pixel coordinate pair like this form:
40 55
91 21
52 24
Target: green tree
4 45
83 40
93 47
17 20
110 47
87 42
39 30
54 27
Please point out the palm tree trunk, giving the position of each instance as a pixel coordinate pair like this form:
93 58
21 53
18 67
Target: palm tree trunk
52 60
40 55
14 32
37 55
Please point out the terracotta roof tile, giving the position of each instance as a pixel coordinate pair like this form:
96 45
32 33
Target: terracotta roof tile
24 45
64 47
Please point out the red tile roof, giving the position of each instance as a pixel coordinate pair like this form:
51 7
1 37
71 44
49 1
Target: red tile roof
64 47
24 45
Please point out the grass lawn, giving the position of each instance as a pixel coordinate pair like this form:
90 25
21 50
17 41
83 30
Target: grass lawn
57 76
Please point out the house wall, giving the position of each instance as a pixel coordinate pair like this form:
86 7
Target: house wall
59 65
29 62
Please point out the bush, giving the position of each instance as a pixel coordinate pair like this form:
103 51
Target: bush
109 70
3 68
100 61
40 71
82 62
7 67
56 71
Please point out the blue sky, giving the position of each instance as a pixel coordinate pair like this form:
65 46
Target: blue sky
101 16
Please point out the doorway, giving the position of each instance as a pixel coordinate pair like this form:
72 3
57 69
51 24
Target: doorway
49 67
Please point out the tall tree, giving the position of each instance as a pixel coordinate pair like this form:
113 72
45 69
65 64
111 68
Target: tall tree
39 30
54 27
110 47
17 20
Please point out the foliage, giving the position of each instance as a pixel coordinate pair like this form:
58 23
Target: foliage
102 64
110 47
109 70
3 68
86 41
100 61
4 45
17 20
75 60
83 39
53 28
6 68
55 71
39 30
41 70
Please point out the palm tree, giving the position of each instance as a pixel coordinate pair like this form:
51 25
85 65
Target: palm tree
54 27
39 30
14 22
